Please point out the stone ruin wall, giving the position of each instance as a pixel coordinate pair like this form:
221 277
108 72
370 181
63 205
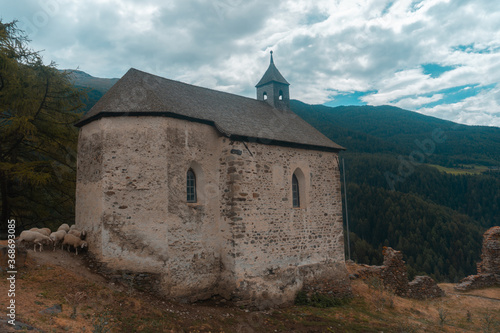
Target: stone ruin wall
490 254
488 270
394 276
242 240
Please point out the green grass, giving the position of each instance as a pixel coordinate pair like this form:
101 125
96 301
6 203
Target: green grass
471 169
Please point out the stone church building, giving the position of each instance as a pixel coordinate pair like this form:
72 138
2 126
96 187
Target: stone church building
215 193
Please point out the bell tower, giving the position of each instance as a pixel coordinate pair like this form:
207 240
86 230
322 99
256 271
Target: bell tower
273 88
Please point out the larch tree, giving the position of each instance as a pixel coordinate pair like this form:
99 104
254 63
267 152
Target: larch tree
38 107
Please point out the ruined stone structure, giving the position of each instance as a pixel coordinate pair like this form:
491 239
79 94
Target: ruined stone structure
393 272
488 270
394 276
490 263
212 193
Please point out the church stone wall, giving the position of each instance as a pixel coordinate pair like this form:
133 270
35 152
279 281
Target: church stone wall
132 199
242 240
278 249
89 197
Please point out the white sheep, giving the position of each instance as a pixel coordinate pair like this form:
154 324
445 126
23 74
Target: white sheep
80 234
43 231
57 237
73 226
64 227
72 240
34 237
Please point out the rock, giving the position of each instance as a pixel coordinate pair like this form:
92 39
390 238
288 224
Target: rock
423 287
18 326
52 310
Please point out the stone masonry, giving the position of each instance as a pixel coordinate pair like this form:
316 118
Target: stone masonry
394 273
241 240
488 270
490 255
394 277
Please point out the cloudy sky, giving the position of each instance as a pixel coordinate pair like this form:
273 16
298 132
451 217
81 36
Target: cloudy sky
437 57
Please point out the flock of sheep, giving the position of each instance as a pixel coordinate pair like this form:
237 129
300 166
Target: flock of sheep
65 235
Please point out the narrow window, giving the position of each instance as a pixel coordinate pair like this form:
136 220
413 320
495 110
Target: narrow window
280 95
264 96
295 192
191 186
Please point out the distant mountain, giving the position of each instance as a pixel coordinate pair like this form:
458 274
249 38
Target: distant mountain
95 87
82 79
398 195
387 129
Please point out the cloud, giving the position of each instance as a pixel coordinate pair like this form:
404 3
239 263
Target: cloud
412 54
412 102
478 109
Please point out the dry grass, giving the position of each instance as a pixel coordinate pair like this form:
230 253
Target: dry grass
105 305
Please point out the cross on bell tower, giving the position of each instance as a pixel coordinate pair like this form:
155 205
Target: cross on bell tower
273 88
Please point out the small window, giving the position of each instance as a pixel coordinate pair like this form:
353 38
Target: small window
191 186
280 95
264 96
295 192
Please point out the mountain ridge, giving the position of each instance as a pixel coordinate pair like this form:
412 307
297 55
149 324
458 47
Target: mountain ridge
397 131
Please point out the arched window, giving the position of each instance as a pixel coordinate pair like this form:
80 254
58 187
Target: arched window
264 96
295 192
191 186
280 95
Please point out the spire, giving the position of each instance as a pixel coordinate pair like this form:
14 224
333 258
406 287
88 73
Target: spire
273 88
272 74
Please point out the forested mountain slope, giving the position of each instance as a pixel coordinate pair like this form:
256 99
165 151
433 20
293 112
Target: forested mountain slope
395 198
387 129
94 87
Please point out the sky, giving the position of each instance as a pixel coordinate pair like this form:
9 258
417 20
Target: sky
437 57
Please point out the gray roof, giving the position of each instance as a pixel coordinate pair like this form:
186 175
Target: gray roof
141 94
272 74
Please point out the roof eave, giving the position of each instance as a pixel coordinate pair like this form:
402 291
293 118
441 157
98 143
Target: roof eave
286 143
109 114
211 123
263 84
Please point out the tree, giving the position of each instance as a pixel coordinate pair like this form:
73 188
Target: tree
38 107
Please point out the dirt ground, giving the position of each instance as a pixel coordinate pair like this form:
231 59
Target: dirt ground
90 303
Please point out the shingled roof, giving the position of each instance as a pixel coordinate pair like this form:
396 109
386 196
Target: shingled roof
272 74
141 94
